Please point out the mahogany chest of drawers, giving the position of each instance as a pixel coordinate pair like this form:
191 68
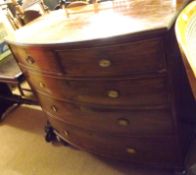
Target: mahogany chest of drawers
117 97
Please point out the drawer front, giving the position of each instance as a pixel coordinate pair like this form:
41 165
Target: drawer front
116 121
148 91
38 59
137 149
131 58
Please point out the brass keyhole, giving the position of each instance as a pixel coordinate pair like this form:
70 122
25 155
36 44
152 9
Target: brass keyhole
54 108
131 151
113 94
42 85
123 122
104 63
30 60
66 133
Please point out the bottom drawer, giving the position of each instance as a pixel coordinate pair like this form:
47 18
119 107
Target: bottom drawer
150 150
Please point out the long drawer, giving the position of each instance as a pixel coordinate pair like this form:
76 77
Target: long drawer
116 121
122 91
138 149
140 56
122 59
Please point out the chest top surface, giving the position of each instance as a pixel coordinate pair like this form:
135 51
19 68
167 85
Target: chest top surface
99 21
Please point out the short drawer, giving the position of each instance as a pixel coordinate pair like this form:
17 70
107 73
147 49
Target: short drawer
38 59
122 59
158 150
126 91
114 121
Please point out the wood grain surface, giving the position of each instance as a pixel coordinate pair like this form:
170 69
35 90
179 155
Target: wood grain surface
99 21
108 75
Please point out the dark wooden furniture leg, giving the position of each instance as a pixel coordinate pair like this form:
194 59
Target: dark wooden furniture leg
51 135
49 131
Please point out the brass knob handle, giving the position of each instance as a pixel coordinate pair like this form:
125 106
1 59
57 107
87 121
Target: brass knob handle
30 60
113 94
123 122
131 151
42 85
66 133
104 63
54 108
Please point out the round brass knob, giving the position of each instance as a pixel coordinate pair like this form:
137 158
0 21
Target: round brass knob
54 108
42 85
113 94
66 133
104 63
131 151
30 60
123 122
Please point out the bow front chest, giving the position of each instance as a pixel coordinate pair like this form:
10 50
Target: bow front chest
107 76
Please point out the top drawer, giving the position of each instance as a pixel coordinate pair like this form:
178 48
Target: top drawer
130 58
38 59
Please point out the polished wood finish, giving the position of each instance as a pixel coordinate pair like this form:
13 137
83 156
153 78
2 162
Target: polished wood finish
30 15
110 86
98 21
76 4
186 35
120 148
119 91
111 119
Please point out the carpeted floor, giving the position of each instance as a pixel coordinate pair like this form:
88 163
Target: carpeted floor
23 151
